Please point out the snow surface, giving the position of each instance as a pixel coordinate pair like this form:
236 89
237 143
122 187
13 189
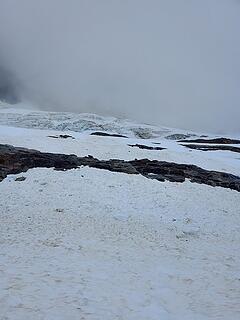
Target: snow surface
93 244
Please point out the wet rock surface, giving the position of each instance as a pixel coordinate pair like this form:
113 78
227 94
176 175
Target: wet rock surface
214 141
141 146
14 160
212 148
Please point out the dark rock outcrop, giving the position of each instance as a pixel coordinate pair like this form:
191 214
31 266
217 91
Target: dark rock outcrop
62 136
141 146
211 148
15 160
214 141
104 134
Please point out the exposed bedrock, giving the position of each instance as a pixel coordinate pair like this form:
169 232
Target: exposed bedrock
15 160
212 148
216 141
141 146
104 134
61 136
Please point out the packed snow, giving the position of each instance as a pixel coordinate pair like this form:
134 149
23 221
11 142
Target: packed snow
92 244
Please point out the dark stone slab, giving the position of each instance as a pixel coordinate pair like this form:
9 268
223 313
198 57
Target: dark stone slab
14 160
62 136
141 146
104 134
212 148
214 141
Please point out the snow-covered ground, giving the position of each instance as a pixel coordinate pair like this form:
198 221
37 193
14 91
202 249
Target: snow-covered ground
92 244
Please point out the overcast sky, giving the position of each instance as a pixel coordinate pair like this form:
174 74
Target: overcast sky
169 62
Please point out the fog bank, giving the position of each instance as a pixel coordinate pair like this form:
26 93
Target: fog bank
169 62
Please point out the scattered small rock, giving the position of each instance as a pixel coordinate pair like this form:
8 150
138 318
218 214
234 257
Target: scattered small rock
20 179
62 136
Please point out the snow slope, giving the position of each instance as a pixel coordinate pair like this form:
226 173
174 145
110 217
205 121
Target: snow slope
92 244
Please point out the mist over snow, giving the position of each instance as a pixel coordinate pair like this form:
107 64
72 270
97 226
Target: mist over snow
168 62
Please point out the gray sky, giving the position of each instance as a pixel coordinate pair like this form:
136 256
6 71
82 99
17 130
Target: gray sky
169 62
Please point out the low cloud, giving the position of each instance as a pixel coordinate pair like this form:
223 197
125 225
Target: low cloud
169 62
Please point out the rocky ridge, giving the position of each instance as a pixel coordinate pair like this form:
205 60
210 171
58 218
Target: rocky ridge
14 160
